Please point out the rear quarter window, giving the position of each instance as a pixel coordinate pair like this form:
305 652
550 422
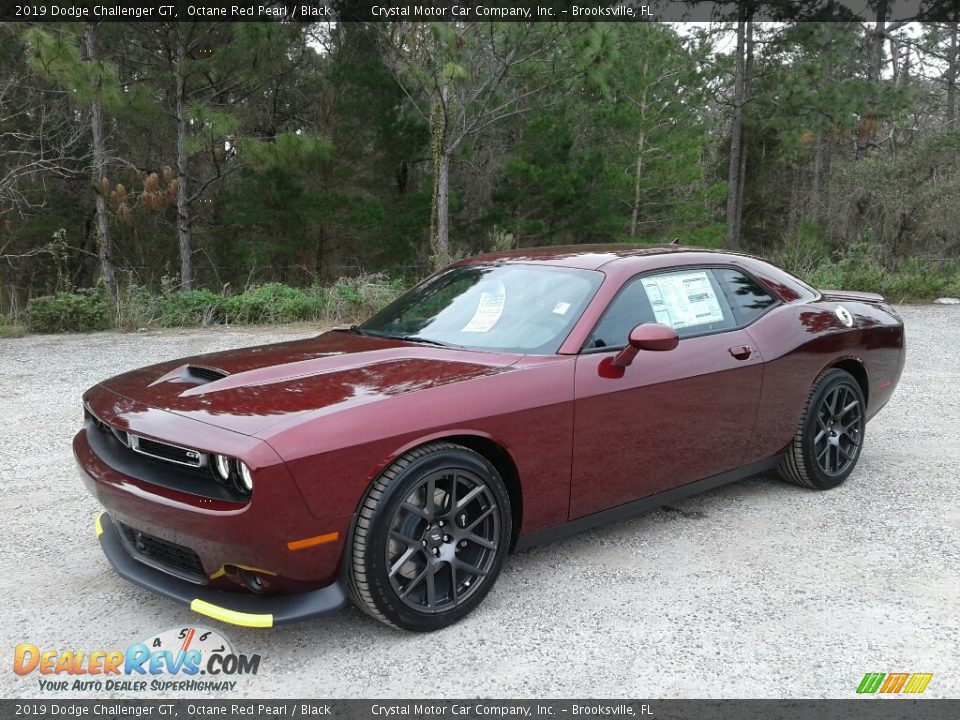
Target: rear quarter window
746 296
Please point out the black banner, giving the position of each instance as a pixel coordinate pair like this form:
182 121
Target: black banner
858 709
467 10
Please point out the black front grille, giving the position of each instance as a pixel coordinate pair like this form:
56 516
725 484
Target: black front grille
166 451
157 462
163 555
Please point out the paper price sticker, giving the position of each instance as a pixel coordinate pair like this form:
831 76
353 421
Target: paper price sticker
488 312
683 299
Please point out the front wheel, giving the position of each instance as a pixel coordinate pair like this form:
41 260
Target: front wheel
430 538
827 444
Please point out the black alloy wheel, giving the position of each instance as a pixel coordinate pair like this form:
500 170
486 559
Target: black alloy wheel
827 445
430 538
839 430
443 540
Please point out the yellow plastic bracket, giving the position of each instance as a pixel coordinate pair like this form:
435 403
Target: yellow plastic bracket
233 617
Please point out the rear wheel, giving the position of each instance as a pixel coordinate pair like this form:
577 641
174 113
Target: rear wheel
430 538
827 444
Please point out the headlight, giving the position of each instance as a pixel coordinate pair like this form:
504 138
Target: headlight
227 469
245 484
221 463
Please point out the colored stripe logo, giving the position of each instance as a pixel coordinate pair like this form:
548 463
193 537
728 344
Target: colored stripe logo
894 683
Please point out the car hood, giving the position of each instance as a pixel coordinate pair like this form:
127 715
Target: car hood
250 389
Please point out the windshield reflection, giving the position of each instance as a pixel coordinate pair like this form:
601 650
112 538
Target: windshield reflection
509 308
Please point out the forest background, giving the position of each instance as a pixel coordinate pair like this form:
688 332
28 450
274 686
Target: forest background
192 173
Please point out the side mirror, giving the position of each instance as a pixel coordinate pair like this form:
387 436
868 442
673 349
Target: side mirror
648 336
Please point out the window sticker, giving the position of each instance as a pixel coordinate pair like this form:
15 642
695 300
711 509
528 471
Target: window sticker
489 310
683 300
561 308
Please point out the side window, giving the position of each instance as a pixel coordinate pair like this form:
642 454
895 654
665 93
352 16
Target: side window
745 295
690 301
628 309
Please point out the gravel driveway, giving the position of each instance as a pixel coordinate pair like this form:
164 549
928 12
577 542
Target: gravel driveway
758 589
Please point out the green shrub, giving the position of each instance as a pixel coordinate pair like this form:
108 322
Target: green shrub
273 302
826 275
348 300
190 307
914 278
12 331
804 252
355 299
79 311
953 284
137 307
910 279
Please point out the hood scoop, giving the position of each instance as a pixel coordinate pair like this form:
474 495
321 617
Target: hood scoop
202 375
191 375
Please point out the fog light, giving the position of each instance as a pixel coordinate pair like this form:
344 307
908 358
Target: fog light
245 483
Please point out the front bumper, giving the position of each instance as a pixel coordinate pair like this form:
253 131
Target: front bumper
235 608
273 534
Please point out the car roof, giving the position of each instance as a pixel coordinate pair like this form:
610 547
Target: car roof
587 257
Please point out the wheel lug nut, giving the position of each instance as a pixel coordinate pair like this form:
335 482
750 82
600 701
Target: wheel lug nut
440 523
462 543
446 538
436 551
424 543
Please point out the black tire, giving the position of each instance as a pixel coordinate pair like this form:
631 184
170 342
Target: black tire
421 565
827 445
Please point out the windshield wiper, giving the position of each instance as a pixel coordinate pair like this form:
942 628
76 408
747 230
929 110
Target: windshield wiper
386 336
418 339
360 331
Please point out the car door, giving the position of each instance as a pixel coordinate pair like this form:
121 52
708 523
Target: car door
670 417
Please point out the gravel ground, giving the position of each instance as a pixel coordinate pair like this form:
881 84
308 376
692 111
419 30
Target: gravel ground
758 589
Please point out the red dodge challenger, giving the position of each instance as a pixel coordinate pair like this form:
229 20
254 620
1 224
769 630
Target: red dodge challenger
506 400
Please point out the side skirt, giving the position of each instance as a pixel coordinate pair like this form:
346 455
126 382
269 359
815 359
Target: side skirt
632 509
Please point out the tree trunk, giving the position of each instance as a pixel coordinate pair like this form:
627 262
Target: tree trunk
103 240
641 142
879 33
895 60
905 72
440 212
869 124
953 69
637 177
442 246
183 199
737 151
793 212
747 89
817 180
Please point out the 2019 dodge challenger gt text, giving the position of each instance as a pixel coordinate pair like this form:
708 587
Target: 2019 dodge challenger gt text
504 401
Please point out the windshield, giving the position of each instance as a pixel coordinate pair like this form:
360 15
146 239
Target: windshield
510 308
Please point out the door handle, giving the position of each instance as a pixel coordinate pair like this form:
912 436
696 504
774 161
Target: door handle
741 352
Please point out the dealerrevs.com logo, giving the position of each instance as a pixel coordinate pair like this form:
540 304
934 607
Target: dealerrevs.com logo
894 683
189 659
